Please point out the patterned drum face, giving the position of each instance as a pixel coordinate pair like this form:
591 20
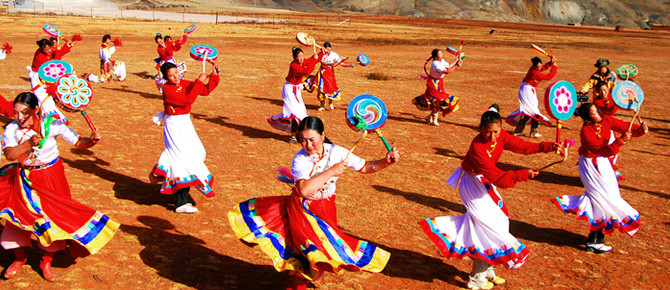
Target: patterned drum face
369 108
51 30
302 37
73 93
560 100
627 95
52 70
627 72
190 29
363 59
201 51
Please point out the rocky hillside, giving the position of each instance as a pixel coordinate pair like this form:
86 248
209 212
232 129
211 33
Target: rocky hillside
626 13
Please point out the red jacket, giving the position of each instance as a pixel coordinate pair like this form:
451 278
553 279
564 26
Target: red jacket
534 75
484 154
167 52
297 73
605 104
40 57
177 99
6 107
595 137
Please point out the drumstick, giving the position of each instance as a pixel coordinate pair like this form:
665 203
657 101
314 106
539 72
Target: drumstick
540 50
630 126
204 59
365 133
341 61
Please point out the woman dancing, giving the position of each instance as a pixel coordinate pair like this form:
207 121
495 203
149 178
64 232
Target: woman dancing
299 232
482 233
35 197
48 50
294 109
601 204
182 163
528 103
110 70
435 98
324 81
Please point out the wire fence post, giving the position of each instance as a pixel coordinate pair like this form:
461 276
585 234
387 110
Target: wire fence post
217 18
153 15
91 12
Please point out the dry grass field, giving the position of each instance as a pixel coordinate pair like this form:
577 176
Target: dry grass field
158 249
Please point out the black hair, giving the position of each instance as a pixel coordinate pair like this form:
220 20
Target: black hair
433 55
296 51
42 43
600 84
105 37
326 44
584 111
536 60
167 38
491 116
158 36
312 123
27 98
166 67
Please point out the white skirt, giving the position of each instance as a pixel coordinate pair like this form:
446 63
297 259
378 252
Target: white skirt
601 204
182 163
294 108
482 232
528 106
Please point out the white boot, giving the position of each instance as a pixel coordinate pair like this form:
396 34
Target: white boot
479 281
491 276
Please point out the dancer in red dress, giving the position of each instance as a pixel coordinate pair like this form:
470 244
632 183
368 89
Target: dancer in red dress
35 197
435 98
299 232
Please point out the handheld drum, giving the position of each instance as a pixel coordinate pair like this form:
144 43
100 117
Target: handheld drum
367 112
306 39
190 29
52 70
52 31
453 50
560 101
628 96
627 72
362 59
74 94
202 52
540 50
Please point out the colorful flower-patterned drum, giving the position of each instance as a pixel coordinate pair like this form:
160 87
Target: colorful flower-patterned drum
370 109
73 93
51 30
627 95
363 59
190 29
201 52
560 100
52 70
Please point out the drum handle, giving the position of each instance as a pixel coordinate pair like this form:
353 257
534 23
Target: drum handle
386 143
88 121
559 125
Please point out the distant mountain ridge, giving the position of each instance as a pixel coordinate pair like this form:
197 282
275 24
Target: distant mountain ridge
626 13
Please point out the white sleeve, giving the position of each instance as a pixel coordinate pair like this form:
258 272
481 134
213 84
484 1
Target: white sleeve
106 54
336 57
69 135
340 153
302 166
9 136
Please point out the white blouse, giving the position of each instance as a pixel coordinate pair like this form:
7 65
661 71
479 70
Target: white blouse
305 167
437 67
14 135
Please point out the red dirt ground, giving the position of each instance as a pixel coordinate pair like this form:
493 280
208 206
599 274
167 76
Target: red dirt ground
156 248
